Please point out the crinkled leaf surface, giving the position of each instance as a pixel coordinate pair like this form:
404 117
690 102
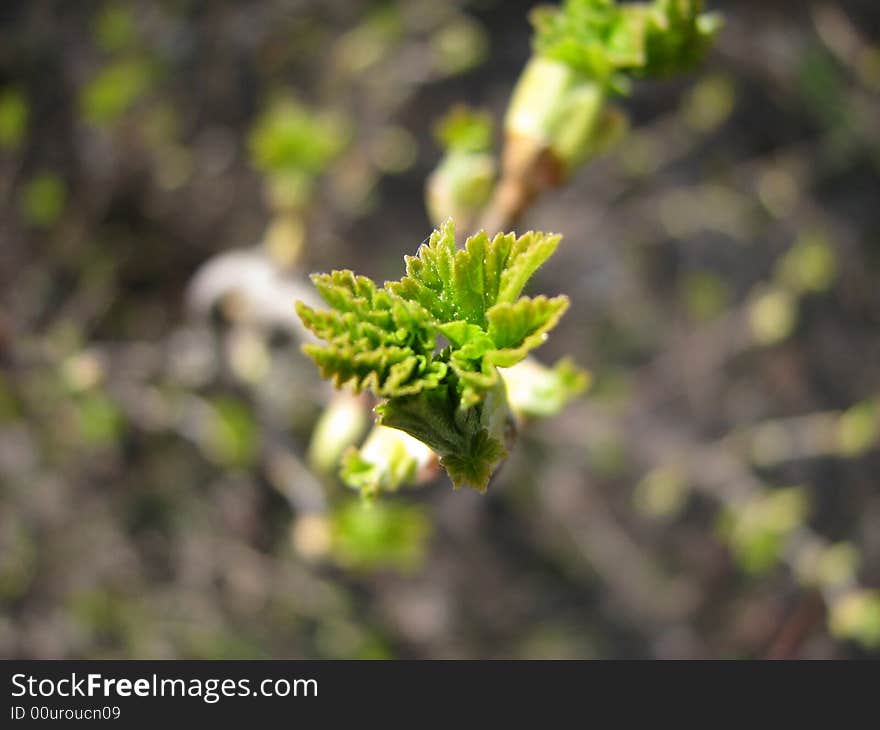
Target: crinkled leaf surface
384 340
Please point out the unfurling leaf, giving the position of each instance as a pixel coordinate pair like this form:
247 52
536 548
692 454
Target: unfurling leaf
608 41
389 459
535 390
385 340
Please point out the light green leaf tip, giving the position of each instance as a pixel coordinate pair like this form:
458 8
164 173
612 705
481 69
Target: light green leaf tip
535 390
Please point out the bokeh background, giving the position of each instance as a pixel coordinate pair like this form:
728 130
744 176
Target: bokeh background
715 494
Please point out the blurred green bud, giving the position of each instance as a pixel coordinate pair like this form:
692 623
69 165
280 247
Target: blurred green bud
534 389
340 426
459 46
662 493
809 265
858 429
114 27
830 567
14 115
460 187
43 199
677 35
369 43
388 460
608 41
772 316
710 103
98 419
704 295
464 129
585 50
371 535
462 183
115 89
856 616
290 140
757 530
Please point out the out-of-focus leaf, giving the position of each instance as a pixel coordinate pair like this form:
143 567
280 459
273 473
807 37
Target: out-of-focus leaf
43 199
465 130
341 425
856 616
114 27
115 89
809 265
757 530
858 429
373 535
14 113
388 460
536 390
290 138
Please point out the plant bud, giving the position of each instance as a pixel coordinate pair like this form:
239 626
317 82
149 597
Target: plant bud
340 425
554 107
388 460
460 187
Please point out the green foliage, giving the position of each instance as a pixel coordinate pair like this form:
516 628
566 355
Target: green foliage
828 567
463 181
459 46
809 265
663 492
858 429
468 440
465 130
773 315
608 42
758 530
99 421
585 50
536 390
14 114
370 535
856 616
461 186
114 28
386 340
704 295
676 35
710 103
341 425
388 460
290 138
115 89
43 199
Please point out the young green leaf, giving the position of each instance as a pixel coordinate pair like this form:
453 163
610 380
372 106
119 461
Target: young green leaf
462 285
607 41
384 340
